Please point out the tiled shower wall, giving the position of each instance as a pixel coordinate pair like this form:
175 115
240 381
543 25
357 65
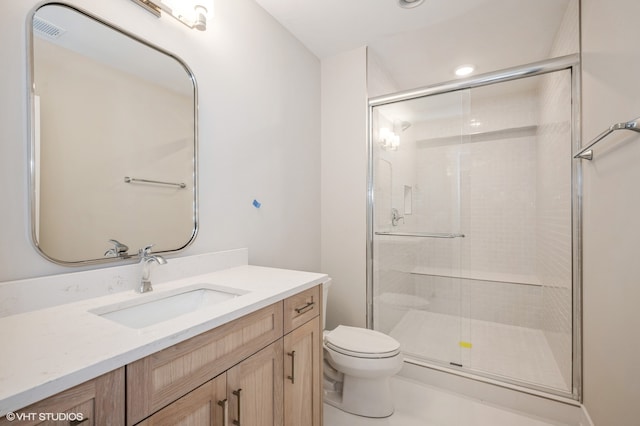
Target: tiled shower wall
480 185
553 210
554 250
472 185
490 201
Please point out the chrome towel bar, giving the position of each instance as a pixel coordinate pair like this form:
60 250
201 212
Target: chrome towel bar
587 153
128 179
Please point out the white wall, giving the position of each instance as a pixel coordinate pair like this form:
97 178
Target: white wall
344 184
611 94
259 103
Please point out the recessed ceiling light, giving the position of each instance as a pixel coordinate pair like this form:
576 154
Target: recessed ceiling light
463 70
408 4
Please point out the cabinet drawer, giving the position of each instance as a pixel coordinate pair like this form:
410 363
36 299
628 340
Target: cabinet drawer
302 307
159 379
97 402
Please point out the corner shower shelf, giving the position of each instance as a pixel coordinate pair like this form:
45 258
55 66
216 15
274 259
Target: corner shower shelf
500 277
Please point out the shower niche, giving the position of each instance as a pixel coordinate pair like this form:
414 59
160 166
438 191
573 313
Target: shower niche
472 227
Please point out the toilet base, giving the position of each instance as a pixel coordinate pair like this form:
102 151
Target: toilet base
362 397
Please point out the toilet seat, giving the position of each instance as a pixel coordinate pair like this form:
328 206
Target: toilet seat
361 342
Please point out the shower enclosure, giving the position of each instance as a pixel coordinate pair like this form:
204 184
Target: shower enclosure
474 254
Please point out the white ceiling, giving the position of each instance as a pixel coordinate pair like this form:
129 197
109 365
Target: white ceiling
328 27
423 45
103 44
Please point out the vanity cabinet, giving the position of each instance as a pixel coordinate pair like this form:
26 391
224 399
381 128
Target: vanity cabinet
263 369
159 379
249 393
97 402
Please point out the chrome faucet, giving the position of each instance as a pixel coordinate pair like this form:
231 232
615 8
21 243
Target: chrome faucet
146 258
118 250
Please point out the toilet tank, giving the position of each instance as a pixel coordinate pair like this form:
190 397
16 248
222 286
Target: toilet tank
325 293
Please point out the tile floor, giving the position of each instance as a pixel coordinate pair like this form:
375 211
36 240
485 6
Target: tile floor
422 405
505 350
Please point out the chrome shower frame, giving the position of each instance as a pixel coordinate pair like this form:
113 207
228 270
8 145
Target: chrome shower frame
571 63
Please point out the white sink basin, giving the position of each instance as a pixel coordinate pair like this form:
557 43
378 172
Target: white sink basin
157 308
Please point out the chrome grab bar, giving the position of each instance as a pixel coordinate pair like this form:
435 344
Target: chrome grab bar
421 234
587 153
128 179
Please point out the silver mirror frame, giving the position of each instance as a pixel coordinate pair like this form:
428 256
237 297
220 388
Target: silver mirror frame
31 137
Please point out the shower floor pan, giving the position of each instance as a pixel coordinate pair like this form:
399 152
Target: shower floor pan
518 353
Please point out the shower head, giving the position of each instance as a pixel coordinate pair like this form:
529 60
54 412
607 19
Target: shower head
408 4
400 126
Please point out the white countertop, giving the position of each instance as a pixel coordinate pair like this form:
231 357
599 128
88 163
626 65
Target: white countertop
49 350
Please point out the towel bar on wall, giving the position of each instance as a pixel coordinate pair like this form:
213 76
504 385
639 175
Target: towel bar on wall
587 153
128 179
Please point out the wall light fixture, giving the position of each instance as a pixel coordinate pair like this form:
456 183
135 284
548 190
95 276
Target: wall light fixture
192 13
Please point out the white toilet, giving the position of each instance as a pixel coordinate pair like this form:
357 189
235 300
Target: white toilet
358 364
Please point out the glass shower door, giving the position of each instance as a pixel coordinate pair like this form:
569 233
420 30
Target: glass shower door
472 229
519 225
417 185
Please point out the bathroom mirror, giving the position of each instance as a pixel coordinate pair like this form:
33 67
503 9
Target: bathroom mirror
113 141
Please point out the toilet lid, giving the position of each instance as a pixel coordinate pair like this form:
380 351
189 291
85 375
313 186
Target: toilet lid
361 342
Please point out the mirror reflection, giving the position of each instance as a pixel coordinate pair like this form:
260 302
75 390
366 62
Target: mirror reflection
113 142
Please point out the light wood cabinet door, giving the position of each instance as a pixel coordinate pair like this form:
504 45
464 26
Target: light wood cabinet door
204 406
302 371
159 379
254 389
97 402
